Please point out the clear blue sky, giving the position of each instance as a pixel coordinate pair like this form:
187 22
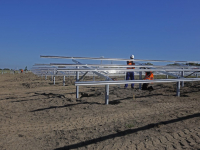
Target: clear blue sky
149 29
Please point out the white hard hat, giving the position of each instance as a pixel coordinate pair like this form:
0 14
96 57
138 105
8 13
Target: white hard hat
132 57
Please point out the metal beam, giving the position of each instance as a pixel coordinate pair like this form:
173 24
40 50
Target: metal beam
127 70
112 65
83 76
134 81
192 73
170 74
97 73
117 59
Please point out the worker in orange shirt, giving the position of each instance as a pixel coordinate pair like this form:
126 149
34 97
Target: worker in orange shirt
148 76
130 74
22 70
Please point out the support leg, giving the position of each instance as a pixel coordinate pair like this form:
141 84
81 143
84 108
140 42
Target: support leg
63 80
77 87
93 77
140 78
182 75
106 94
178 89
54 80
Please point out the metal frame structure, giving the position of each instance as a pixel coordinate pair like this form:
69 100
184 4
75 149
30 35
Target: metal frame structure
106 70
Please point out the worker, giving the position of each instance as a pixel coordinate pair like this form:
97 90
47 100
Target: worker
131 73
148 76
22 70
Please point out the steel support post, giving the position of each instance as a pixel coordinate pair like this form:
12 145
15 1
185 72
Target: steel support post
106 94
182 75
178 89
167 76
140 78
77 87
63 80
54 80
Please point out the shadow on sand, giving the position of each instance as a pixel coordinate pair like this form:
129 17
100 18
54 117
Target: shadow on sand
52 107
126 132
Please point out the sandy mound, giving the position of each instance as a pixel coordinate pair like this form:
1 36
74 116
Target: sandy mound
35 114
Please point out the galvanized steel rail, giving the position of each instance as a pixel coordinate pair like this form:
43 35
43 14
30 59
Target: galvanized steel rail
103 70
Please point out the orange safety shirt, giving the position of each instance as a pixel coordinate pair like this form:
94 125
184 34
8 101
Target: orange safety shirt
130 63
149 76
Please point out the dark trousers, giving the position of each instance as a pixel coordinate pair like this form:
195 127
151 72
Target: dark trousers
129 75
145 86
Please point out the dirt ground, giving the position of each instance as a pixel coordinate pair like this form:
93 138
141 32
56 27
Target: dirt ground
37 115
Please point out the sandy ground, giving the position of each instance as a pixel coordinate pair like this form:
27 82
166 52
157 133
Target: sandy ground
37 115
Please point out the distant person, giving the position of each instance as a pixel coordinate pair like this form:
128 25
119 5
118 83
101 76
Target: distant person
148 76
22 70
130 75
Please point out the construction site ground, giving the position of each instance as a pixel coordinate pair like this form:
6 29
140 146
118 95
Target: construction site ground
35 114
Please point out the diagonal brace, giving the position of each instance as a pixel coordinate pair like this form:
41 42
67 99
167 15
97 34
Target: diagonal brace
83 76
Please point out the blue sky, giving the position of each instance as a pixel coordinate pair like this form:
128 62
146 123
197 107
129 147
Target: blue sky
149 29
